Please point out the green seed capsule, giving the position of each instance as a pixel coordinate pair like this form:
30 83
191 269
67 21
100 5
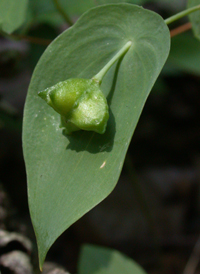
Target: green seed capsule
81 104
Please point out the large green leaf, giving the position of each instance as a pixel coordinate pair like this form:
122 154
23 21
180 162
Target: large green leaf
12 14
67 176
100 260
195 17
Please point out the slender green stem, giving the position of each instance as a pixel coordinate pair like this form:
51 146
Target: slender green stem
99 76
62 12
181 14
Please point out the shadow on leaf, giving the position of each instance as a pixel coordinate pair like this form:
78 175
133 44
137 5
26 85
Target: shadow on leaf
91 141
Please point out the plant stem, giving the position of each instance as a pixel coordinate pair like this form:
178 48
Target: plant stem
33 40
99 76
61 11
181 14
180 29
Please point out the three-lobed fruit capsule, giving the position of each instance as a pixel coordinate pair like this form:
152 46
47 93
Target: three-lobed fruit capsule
81 104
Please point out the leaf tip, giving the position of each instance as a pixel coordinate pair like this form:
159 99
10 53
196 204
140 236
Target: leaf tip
42 252
42 257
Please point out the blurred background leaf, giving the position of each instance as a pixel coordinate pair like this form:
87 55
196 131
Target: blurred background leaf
12 14
195 18
187 56
44 11
100 260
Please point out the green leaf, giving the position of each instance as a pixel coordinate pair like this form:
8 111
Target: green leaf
100 260
12 14
67 176
187 56
195 17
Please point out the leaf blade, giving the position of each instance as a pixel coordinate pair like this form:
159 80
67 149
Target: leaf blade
51 157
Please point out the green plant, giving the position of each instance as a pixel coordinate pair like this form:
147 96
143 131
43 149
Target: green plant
61 187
